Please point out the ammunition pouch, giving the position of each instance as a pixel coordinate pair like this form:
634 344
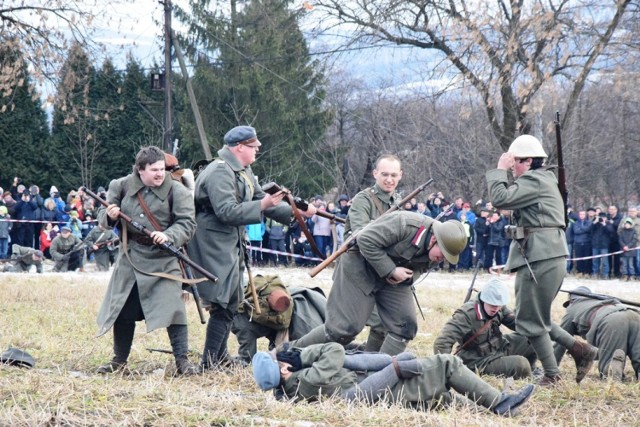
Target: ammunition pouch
489 347
514 232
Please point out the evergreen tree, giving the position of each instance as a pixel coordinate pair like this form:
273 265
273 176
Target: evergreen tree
23 124
262 75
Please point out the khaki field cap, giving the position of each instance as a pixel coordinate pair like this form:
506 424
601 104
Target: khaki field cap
451 237
526 146
495 292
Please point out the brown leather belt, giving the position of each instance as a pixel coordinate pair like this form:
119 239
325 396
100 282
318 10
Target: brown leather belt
593 315
141 239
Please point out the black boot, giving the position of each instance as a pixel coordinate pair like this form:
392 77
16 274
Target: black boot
509 404
179 337
215 344
123 331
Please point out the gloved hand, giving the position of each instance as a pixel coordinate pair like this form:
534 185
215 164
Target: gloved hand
291 357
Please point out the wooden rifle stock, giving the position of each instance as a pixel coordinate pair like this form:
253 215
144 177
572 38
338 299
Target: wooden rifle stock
352 239
303 205
168 246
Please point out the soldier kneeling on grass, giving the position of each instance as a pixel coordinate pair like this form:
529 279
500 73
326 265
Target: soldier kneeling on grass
22 258
425 383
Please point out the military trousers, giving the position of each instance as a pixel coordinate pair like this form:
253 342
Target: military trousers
618 330
349 307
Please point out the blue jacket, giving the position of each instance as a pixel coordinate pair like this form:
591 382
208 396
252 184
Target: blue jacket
582 232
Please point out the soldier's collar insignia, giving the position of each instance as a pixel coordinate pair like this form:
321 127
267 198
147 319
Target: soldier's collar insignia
418 238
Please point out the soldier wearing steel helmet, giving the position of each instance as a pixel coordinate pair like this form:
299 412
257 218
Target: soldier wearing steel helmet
390 254
538 251
475 327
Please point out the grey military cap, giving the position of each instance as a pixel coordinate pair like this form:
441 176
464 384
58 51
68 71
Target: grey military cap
17 357
245 135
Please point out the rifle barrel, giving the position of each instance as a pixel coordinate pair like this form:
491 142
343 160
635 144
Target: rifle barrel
168 246
602 297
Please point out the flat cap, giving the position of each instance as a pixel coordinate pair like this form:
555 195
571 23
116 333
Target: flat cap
65 228
245 135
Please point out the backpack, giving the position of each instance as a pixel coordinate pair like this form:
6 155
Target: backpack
265 285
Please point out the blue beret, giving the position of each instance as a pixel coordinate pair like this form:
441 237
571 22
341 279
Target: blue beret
241 135
266 370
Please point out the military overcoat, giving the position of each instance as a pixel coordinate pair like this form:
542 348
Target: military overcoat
227 197
172 205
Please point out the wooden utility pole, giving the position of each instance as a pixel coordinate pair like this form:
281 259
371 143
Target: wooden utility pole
168 118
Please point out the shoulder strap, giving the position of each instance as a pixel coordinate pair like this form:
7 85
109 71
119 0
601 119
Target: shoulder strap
479 332
369 192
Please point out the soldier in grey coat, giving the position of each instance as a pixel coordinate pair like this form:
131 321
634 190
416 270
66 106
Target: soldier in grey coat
66 250
135 291
607 324
538 251
391 253
475 327
227 198
325 370
22 258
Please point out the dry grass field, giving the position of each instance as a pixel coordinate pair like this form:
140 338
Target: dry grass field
52 316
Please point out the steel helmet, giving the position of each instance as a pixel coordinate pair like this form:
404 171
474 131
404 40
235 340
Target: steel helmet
495 292
526 146
451 237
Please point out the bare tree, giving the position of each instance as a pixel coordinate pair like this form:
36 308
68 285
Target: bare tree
44 31
506 50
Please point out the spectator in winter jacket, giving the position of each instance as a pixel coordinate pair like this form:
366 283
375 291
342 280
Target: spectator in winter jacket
632 213
47 234
601 235
25 212
277 233
582 243
481 228
496 239
628 240
5 228
34 190
322 231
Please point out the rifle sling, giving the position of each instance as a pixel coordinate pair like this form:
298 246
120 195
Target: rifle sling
474 336
303 226
156 225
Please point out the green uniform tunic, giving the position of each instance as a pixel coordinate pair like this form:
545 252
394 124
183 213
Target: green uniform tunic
537 206
172 206
323 375
397 239
363 210
605 324
490 352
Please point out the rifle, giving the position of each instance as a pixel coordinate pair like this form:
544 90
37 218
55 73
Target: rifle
66 256
303 205
562 179
252 286
473 281
348 243
602 297
167 246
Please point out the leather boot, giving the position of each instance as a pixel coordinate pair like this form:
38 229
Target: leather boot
111 367
584 354
184 367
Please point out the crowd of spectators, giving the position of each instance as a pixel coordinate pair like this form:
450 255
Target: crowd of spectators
31 220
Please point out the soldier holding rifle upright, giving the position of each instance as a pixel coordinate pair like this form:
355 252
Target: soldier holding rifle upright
136 290
227 198
538 251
